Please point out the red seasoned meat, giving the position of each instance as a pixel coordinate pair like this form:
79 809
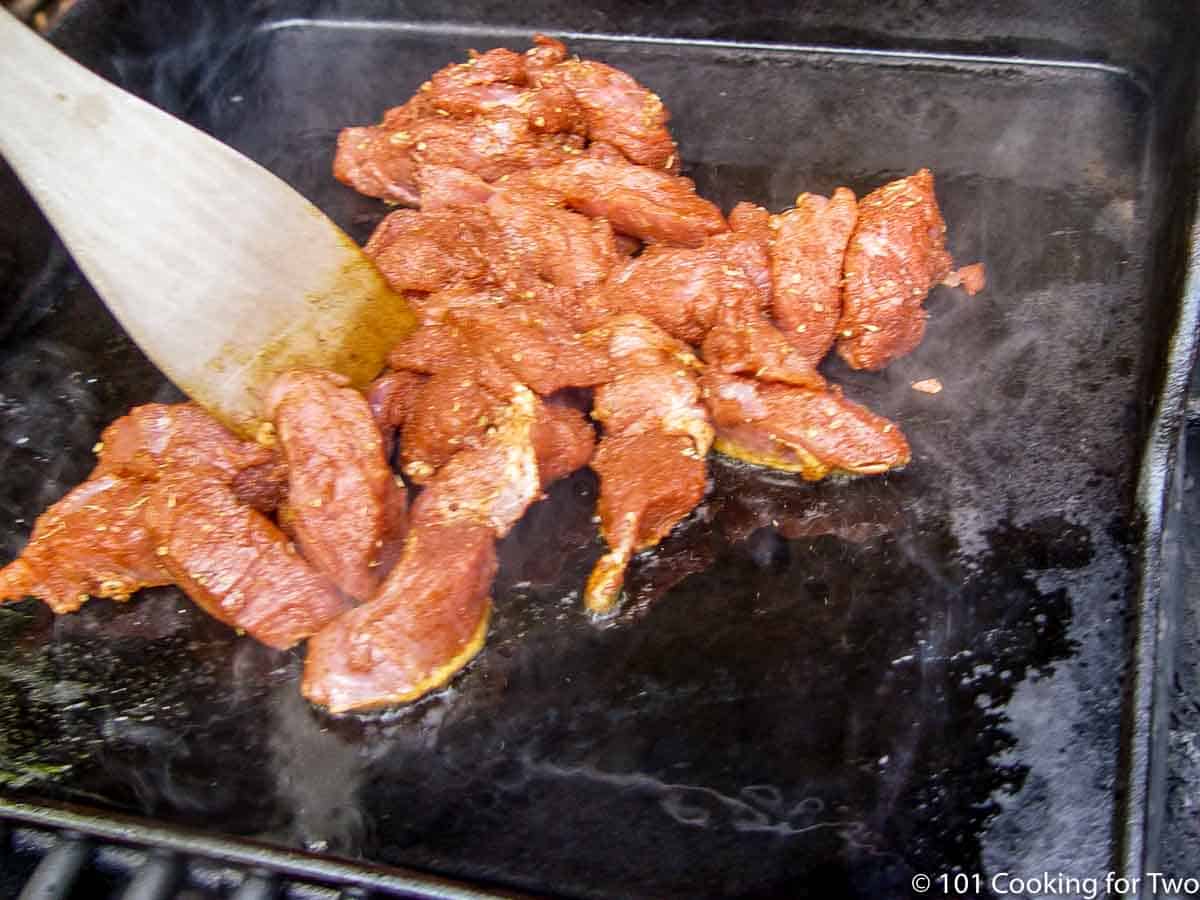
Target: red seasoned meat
494 483
562 248
681 290
392 398
500 113
452 412
430 615
807 247
896 254
91 543
482 83
645 203
617 111
234 563
160 437
537 346
712 296
474 359
507 245
814 432
428 620
347 509
650 459
383 160
428 251
563 439
263 487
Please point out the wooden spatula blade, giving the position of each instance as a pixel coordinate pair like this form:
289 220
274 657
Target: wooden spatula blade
221 272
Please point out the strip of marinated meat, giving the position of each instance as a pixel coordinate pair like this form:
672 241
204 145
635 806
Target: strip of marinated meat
427 622
392 398
712 297
348 512
501 112
807 247
452 413
263 487
896 253
541 349
562 248
506 244
160 437
233 562
811 432
617 110
563 439
91 543
430 616
383 160
650 459
472 361
431 250
493 484
482 83
646 203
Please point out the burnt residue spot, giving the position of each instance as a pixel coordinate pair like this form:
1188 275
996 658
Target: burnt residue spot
1051 542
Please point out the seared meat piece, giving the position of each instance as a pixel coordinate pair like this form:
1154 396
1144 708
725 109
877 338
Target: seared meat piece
392 398
971 279
452 412
92 542
383 160
645 203
432 250
537 346
681 290
638 202
347 510
233 563
428 620
500 113
482 83
813 432
651 457
617 111
263 487
711 296
563 439
494 483
807 247
648 483
507 245
896 254
474 359
428 350
160 437
562 248
431 613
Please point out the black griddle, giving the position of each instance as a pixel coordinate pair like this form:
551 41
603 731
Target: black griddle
815 690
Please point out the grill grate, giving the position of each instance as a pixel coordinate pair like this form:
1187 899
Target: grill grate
52 854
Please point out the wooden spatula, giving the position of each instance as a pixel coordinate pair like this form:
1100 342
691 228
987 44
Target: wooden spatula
221 273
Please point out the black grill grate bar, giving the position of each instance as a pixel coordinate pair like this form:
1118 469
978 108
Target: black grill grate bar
297 875
256 886
56 873
155 879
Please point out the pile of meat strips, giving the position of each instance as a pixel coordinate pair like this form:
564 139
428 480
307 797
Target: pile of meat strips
561 269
